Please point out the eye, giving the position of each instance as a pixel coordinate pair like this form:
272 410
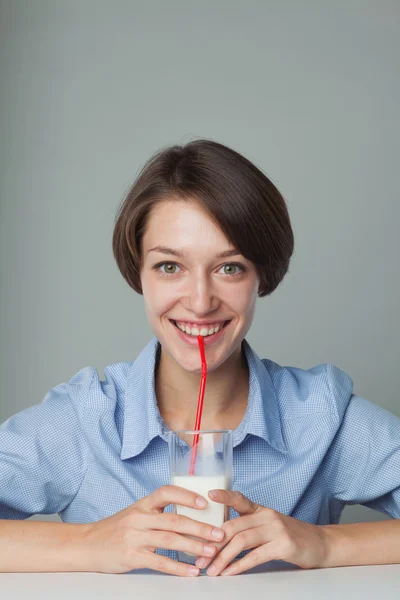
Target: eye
170 268
231 269
228 268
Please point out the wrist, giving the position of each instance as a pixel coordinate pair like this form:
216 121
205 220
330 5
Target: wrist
370 543
332 540
78 549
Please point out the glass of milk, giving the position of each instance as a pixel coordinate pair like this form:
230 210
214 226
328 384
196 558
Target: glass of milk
213 470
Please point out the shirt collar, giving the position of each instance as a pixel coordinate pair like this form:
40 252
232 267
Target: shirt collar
143 421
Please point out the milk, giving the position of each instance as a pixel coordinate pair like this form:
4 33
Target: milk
215 512
213 471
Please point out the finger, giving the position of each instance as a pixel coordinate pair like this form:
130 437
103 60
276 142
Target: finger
232 528
182 524
258 556
234 499
168 565
202 561
235 526
174 541
245 540
172 494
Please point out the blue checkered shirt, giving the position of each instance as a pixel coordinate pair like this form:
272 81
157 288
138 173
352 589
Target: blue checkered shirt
306 447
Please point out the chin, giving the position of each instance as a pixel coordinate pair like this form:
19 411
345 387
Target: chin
196 369
189 366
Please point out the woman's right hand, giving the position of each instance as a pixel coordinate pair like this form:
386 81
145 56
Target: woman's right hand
128 539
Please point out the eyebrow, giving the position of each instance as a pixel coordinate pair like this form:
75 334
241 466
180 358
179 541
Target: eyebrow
181 254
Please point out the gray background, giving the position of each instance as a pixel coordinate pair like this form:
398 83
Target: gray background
89 89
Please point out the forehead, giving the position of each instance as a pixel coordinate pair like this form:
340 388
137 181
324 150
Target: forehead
180 222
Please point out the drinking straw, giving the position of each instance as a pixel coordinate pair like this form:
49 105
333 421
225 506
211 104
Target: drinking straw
199 403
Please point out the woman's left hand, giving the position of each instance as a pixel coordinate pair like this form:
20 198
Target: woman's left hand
272 535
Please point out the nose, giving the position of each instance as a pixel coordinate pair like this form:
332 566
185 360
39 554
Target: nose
200 298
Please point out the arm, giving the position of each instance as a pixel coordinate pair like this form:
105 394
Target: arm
120 543
271 535
352 544
43 460
363 466
43 455
34 546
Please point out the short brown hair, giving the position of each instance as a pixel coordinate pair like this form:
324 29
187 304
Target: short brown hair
235 194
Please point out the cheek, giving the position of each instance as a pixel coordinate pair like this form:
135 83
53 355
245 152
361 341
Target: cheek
156 301
242 300
150 296
247 312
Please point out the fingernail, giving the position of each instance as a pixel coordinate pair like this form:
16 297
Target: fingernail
212 570
213 493
201 502
201 562
192 571
217 534
209 550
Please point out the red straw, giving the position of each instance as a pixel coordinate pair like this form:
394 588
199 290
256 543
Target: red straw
199 403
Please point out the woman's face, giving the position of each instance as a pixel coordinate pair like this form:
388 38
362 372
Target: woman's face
193 286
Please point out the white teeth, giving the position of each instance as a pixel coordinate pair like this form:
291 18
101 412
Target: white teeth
204 331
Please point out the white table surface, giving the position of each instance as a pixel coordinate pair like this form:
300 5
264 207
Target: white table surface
277 581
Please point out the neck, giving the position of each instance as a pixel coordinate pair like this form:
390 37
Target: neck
225 397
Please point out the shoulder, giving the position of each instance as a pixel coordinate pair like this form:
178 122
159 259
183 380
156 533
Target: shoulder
322 388
82 392
87 389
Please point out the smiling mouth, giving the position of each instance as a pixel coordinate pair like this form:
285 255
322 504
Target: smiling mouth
199 329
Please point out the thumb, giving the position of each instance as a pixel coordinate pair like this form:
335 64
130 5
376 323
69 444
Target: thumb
242 505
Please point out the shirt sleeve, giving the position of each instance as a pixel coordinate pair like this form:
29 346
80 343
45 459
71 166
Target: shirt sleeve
362 465
43 452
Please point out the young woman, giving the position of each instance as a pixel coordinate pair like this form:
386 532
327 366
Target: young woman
201 234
